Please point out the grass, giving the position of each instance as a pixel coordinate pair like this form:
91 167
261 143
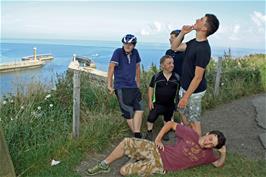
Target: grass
38 124
236 166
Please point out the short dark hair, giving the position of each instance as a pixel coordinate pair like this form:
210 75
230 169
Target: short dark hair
221 138
164 58
212 24
176 33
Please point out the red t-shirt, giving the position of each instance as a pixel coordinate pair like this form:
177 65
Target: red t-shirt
186 152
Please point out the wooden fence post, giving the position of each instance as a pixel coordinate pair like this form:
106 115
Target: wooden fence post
76 103
218 76
6 165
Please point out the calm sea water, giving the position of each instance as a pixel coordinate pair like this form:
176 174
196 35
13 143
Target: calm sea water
99 51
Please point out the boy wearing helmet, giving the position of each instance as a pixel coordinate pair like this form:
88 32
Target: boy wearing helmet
125 66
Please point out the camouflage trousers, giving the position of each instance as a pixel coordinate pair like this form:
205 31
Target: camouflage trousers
192 111
148 159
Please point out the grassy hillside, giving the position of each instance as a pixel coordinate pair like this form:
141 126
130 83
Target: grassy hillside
38 125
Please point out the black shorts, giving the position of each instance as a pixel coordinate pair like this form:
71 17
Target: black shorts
166 111
130 100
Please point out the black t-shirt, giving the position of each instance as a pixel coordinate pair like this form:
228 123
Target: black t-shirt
165 91
178 60
196 54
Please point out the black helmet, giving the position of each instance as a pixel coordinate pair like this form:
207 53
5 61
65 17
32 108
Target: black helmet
129 39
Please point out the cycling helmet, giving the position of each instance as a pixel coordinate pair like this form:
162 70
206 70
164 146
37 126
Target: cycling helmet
129 39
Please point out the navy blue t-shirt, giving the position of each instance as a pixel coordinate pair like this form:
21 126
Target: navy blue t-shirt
196 54
125 69
178 60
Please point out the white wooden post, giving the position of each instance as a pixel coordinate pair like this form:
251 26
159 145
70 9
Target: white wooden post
76 103
218 76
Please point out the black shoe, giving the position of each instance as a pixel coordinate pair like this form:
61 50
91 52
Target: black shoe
138 135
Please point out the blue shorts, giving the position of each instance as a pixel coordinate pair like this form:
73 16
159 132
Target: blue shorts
130 100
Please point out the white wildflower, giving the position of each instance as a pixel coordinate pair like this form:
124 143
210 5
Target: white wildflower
222 84
47 96
11 101
11 118
4 102
51 105
39 108
0 120
22 107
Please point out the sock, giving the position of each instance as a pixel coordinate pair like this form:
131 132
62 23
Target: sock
137 135
104 164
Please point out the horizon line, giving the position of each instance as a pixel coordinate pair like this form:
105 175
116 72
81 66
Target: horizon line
98 40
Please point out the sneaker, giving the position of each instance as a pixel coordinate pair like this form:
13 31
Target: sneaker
166 137
99 168
149 136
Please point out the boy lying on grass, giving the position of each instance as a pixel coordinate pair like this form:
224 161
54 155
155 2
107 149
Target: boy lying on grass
154 157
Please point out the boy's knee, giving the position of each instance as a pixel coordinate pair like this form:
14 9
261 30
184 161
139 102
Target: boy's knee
123 171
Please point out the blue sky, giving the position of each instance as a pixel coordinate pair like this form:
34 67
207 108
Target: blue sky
242 22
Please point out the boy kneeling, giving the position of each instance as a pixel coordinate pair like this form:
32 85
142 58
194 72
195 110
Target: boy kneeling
161 94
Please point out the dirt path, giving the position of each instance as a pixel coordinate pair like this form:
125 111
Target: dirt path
238 122
236 119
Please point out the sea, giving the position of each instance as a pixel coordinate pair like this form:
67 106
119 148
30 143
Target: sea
63 50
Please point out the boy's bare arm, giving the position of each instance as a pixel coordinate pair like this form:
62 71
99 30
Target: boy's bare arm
176 44
221 160
138 74
150 95
110 77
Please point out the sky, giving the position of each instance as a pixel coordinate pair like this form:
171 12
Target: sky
242 23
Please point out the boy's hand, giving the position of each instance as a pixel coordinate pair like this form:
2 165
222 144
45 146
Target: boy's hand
186 29
151 105
138 84
183 102
110 90
159 144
